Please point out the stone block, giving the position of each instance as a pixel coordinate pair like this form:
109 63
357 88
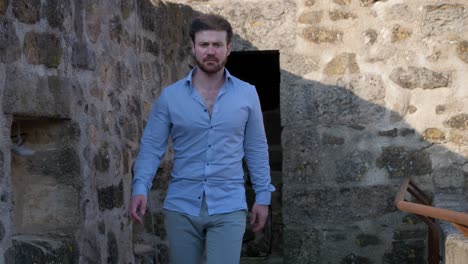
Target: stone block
344 63
458 137
129 127
289 63
112 249
301 245
355 102
116 29
2 231
370 36
147 16
389 133
459 121
411 220
353 167
419 77
42 48
440 109
89 248
410 234
368 87
101 226
401 162
433 134
101 160
3 7
28 94
328 139
300 155
364 240
322 35
411 252
303 205
400 12
310 17
352 259
83 57
127 7
111 197
56 11
93 22
2 169
400 33
456 249
449 179
151 47
27 11
462 51
444 18
156 224
148 254
341 15
62 164
368 3
163 253
40 189
342 2
10 49
407 131
412 109
29 249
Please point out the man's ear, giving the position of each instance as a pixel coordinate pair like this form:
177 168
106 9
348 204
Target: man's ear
228 49
193 47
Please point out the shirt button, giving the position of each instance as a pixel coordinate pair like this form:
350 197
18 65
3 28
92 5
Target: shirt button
207 164
211 127
205 180
204 110
209 146
199 197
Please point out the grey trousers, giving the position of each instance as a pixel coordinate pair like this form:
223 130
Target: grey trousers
218 236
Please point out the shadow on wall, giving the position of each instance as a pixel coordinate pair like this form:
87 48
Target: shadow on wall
344 156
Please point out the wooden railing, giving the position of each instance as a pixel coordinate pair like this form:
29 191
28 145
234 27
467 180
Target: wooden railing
428 214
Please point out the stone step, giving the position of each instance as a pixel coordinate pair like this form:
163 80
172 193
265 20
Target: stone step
41 249
262 260
275 153
272 122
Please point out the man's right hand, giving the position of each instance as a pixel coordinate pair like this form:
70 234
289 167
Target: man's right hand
138 208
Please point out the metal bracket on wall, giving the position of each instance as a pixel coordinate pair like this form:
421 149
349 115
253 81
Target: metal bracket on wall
428 214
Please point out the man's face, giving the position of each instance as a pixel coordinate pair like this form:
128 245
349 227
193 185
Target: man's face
211 50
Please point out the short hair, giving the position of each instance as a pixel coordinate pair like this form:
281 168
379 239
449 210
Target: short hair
210 22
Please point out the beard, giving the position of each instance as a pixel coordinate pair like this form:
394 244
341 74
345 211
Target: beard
211 65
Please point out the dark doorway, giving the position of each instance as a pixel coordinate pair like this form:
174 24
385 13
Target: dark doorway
262 69
259 68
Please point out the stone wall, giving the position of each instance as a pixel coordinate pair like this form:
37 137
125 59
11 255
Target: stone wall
371 91
77 80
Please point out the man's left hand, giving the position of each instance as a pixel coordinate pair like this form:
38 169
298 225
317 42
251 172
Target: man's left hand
258 217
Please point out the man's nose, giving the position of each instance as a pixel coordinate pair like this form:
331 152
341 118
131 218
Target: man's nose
210 50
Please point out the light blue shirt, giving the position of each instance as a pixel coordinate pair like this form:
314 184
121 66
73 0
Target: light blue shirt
208 151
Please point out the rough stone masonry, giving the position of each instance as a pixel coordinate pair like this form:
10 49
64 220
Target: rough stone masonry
371 91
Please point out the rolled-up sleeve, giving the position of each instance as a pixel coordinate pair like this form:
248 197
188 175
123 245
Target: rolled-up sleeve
256 152
152 147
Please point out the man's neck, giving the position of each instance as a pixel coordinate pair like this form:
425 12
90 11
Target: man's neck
208 81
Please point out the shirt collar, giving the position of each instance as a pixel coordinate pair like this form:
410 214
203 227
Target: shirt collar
188 79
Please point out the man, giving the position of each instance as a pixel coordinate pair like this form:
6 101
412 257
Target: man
214 120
